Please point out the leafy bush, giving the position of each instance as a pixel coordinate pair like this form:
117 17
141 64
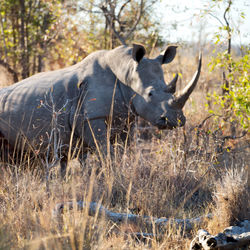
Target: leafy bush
234 102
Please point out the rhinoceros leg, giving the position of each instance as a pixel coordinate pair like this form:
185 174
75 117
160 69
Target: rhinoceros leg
63 165
6 151
82 158
95 135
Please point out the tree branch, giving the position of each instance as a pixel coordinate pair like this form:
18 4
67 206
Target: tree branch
214 16
107 16
136 22
121 9
90 11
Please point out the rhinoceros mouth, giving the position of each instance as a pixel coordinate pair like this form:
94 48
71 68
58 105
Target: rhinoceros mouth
164 123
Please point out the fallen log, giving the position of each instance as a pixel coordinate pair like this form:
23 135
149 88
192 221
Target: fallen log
231 238
94 208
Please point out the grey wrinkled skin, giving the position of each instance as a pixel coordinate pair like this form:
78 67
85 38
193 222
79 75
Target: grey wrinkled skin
81 96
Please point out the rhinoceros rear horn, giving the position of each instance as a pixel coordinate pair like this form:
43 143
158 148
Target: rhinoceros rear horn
171 87
138 52
185 93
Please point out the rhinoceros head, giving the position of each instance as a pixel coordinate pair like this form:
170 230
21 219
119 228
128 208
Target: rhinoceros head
154 100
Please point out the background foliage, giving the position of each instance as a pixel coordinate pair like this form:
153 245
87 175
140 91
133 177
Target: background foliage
232 102
40 35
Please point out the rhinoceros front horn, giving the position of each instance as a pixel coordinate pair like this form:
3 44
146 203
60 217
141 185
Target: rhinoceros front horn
185 93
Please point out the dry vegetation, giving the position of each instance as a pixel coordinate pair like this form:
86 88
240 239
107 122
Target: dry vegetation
182 173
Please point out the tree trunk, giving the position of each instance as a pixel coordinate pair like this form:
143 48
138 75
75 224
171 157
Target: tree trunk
24 62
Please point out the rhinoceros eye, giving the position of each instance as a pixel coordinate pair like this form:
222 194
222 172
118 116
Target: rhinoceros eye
171 102
150 92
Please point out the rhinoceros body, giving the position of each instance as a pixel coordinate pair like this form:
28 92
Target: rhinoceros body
77 100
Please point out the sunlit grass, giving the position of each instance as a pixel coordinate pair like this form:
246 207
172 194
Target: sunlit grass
166 176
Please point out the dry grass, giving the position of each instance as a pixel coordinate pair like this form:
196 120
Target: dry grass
164 177
171 174
231 200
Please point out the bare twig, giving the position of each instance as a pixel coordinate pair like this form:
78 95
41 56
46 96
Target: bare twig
121 9
214 16
108 10
90 11
139 15
108 16
215 136
54 136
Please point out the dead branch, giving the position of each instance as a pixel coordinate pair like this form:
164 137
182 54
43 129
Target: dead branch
139 15
218 138
233 137
108 16
97 209
111 17
232 237
222 139
121 9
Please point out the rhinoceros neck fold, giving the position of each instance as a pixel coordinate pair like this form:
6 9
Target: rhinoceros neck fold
121 63
121 91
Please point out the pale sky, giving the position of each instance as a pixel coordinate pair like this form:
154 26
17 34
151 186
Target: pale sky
180 20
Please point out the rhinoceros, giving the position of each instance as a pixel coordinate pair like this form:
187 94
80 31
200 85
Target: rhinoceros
78 101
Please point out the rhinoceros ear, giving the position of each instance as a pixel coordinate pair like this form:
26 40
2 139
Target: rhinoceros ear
138 52
168 55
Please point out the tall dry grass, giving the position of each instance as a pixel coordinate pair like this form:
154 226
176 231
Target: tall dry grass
175 174
166 176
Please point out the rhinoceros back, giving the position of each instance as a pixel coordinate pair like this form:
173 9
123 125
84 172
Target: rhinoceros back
26 108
